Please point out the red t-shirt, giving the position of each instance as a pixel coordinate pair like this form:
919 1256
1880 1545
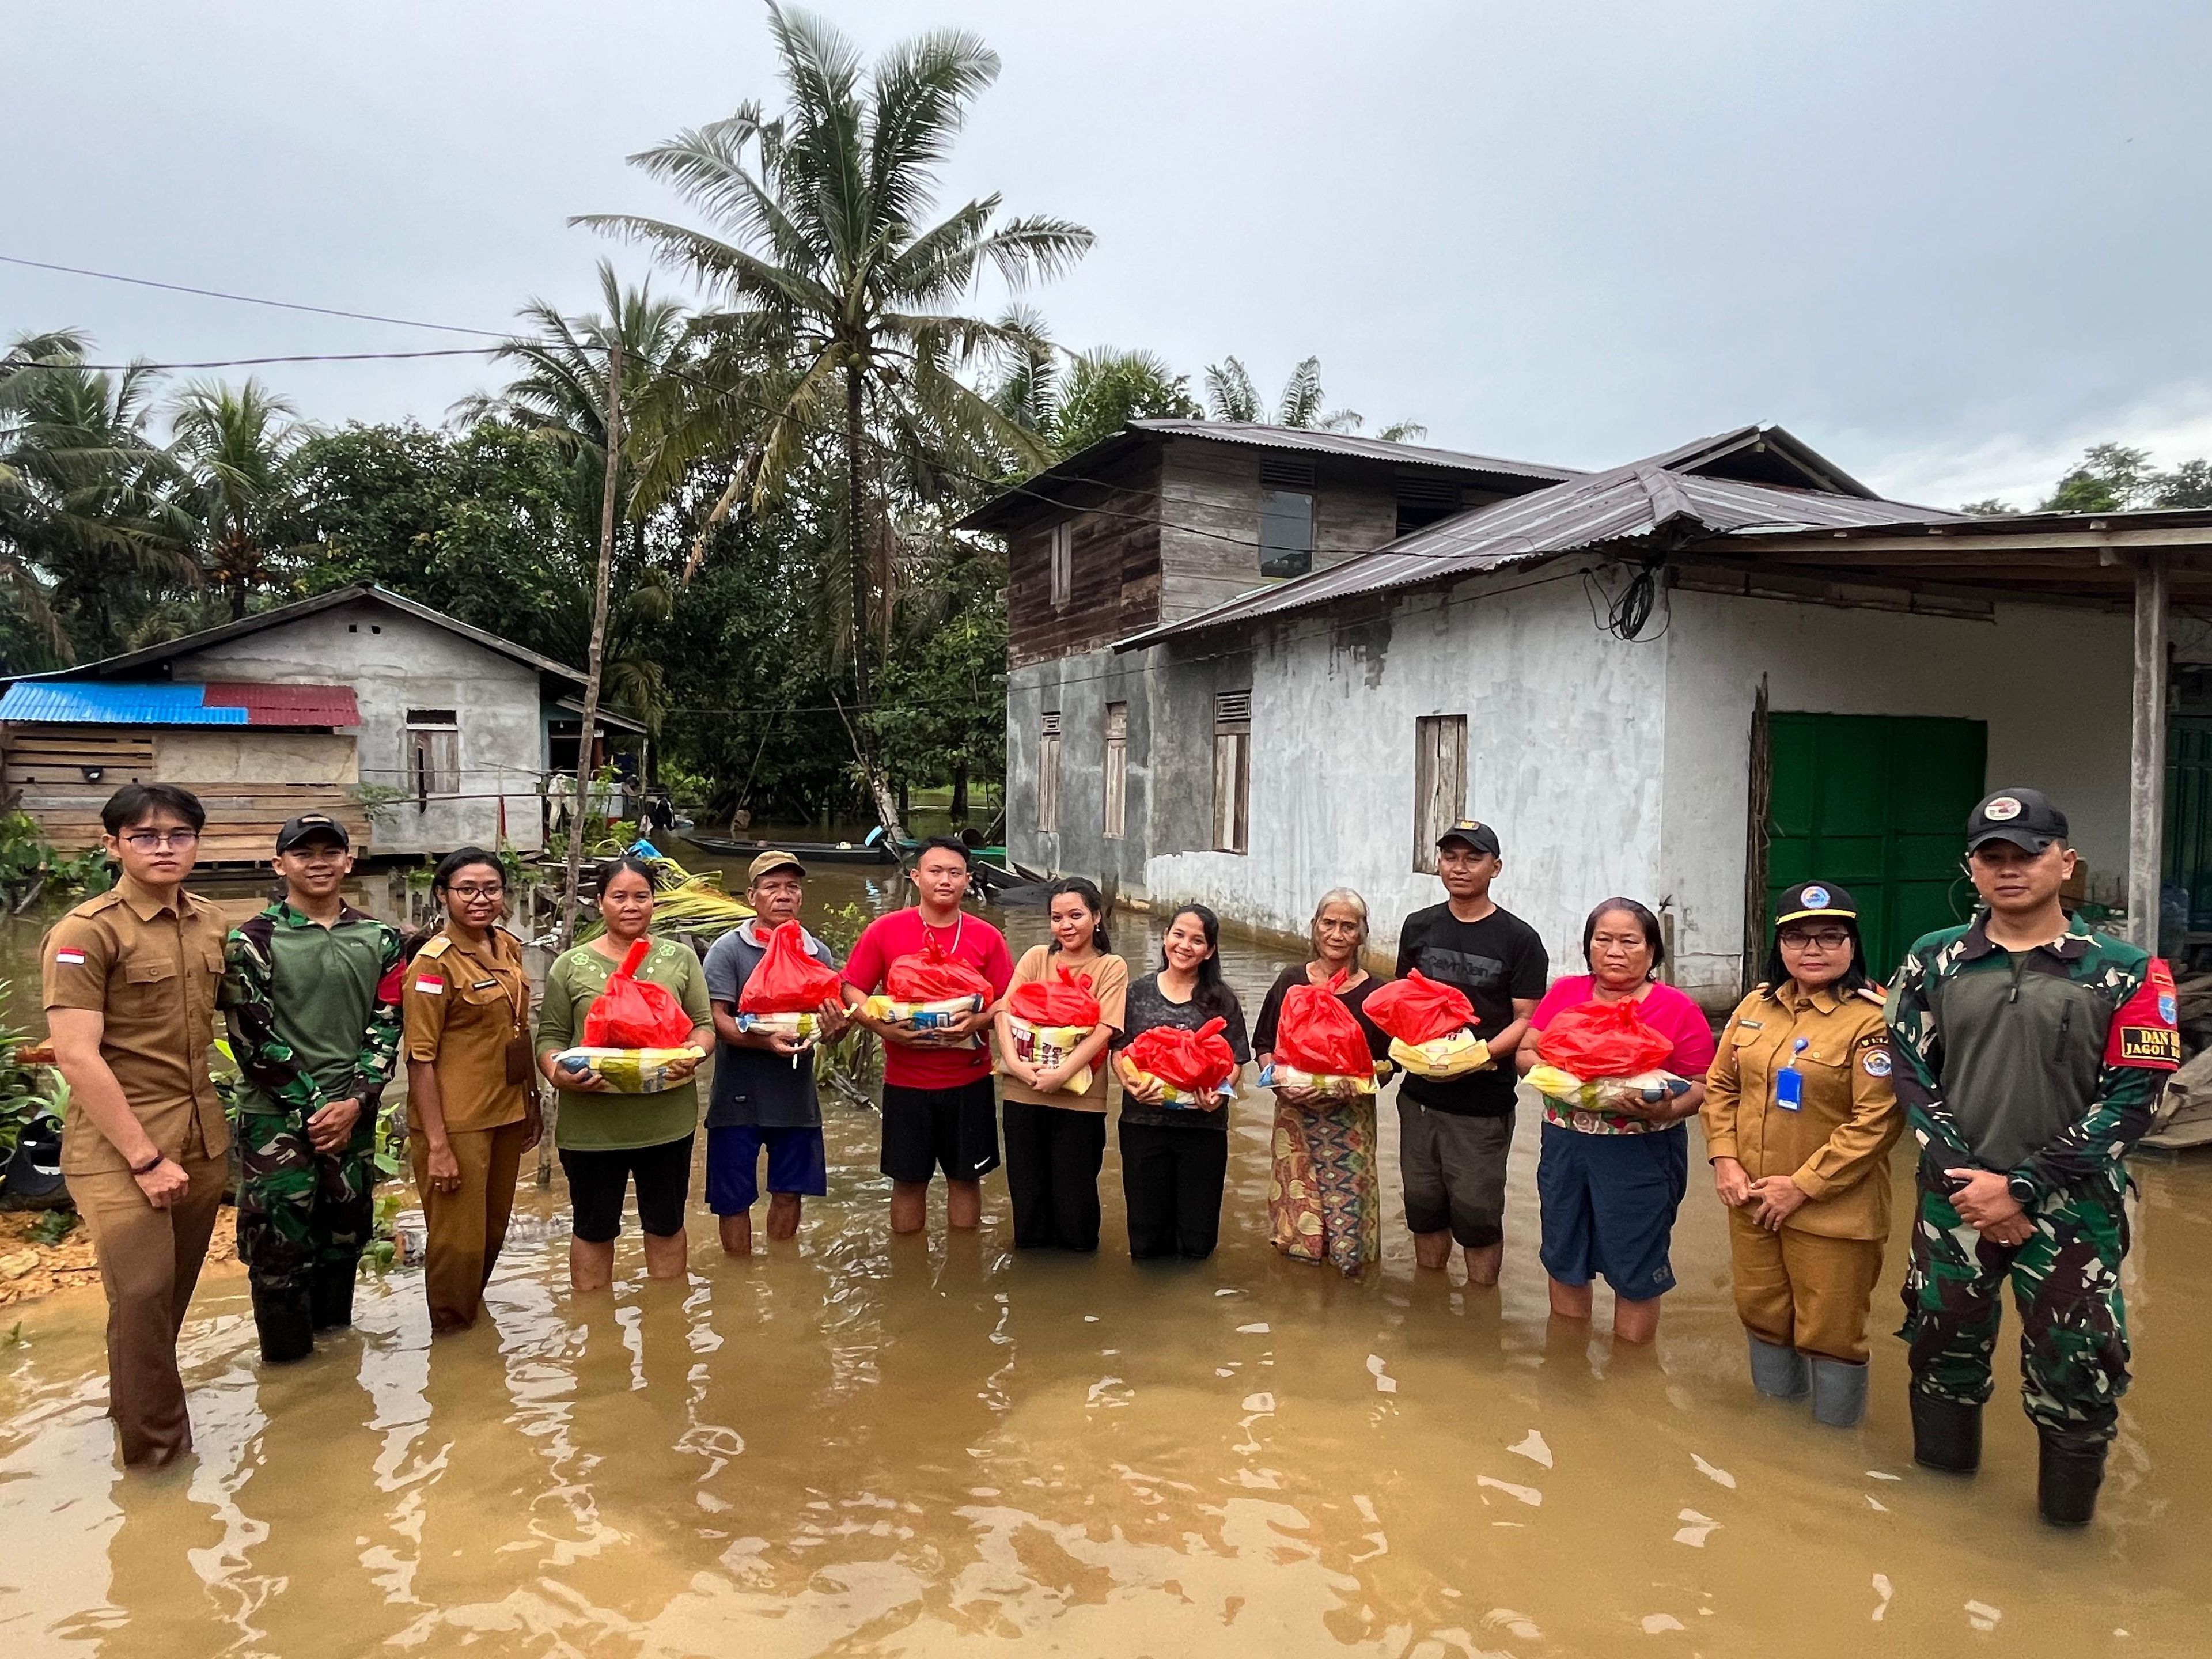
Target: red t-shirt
1663 1008
970 939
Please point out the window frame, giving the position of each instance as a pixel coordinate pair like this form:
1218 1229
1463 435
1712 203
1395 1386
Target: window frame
1060 555
1233 771
1116 771
1047 794
432 753
1439 782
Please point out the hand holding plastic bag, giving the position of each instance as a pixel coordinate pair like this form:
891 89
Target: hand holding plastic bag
1603 1040
931 974
1417 1009
1318 1034
1190 1064
635 1013
789 981
1064 1001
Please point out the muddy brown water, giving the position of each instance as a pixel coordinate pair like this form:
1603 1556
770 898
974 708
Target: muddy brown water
857 1444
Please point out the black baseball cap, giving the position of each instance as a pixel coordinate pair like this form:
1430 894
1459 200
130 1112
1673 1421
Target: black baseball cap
1479 837
2025 818
308 825
1808 899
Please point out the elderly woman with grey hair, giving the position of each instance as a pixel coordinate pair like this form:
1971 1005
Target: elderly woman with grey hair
1323 1202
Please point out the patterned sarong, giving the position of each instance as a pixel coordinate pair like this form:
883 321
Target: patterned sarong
1321 1204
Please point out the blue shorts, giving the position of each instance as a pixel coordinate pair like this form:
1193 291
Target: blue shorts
1608 1206
795 1164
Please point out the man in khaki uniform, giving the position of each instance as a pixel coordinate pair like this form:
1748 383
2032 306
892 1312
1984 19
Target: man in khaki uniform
130 991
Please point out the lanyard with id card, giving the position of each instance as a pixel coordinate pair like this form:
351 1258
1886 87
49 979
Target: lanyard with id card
1789 1082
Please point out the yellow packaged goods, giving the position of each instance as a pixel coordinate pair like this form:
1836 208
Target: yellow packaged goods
1605 1094
921 1016
631 1071
1047 1046
1445 1056
1170 1094
805 1027
1332 1087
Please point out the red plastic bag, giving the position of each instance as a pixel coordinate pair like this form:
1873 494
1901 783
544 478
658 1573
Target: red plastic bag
1045 1003
1416 1010
788 981
1198 1061
1603 1039
931 976
635 1013
1316 1033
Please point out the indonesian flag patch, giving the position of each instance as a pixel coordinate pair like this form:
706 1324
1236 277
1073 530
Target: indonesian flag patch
69 958
2143 1031
430 986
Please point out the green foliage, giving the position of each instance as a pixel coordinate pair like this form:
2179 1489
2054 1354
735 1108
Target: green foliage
26 1091
1230 396
2113 478
53 1226
1988 508
854 1059
27 857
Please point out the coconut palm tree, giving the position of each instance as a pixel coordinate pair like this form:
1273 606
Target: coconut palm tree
232 449
822 252
1071 400
1230 396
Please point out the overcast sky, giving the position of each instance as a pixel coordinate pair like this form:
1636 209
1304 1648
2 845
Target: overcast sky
1946 244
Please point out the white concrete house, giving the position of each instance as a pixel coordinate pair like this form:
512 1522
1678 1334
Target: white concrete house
1693 679
354 695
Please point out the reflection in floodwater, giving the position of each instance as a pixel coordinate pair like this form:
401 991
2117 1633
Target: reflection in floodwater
861 1445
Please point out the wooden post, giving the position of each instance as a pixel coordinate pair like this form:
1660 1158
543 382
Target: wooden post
2147 751
593 664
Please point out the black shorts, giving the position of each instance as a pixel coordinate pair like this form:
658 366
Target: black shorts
955 1130
598 1182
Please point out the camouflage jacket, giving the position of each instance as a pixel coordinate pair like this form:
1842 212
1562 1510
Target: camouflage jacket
313 1011
2044 1064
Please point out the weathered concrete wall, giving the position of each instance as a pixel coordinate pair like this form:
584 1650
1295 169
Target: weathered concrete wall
245 755
1555 711
1079 687
395 662
2053 685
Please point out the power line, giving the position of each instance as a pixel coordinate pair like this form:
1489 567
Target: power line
254 362
244 300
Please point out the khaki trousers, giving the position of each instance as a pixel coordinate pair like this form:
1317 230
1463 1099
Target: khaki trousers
466 1228
1800 1291
149 1261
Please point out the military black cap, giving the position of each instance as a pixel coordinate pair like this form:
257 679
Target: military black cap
1815 898
2025 818
308 825
1479 837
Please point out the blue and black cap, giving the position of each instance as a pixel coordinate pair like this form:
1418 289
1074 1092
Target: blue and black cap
1808 899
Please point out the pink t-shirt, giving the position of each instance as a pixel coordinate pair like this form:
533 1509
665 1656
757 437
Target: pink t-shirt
1662 1007
969 939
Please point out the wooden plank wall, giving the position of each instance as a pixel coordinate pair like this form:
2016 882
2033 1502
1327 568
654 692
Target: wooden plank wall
44 769
1209 525
1116 590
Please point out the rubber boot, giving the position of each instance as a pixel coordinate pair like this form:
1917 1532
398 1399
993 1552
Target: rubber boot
2068 1475
285 1322
1945 1434
332 1290
1839 1393
1775 1372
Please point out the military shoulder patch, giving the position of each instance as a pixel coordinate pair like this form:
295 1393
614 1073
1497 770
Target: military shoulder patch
2143 1032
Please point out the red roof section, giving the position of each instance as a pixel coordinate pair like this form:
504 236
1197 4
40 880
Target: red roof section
286 704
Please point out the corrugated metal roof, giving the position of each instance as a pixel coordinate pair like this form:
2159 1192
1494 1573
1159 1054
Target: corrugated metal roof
1351 443
87 703
1626 503
287 705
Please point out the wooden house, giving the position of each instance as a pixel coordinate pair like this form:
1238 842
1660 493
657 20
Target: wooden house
1692 678
420 732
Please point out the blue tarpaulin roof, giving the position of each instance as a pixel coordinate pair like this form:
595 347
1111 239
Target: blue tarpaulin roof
83 702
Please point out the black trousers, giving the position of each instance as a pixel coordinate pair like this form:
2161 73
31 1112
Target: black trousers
1053 1156
1171 1180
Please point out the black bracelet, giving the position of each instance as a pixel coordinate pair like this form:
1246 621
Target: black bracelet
160 1158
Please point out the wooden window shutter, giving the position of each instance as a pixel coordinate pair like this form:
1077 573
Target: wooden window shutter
1047 803
1233 771
1439 782
1117 769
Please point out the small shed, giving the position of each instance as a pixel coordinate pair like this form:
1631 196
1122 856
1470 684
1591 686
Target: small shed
422 732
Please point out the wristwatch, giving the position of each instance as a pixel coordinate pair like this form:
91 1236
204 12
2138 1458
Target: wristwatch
2023 1190
159 1158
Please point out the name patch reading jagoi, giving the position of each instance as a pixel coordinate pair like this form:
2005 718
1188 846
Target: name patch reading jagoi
2143 1031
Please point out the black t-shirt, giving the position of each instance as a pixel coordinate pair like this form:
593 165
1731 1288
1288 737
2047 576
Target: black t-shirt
1271 1011
1494 960
1145 1008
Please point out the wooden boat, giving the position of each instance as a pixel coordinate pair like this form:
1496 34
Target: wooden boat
806 852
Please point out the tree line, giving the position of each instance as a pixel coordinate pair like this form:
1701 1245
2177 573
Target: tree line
796 444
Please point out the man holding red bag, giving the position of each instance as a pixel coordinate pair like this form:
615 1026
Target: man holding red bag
1455 1133
763 1094
939 1110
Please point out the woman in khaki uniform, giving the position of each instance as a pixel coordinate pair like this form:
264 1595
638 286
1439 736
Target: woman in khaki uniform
1799 1120
471 1083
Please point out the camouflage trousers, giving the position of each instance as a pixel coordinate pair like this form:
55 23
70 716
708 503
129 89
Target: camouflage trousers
297 1207
2066 1285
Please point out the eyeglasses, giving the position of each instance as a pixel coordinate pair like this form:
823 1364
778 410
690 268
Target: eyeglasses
477 892
147 841
1828 938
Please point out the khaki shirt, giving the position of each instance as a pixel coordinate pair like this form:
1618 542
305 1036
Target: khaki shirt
463 1006
1836 1146
150 970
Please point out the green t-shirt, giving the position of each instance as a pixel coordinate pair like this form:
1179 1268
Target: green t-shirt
606 1123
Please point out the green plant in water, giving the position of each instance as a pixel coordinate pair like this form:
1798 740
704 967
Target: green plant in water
26 1091
51 1227
856 1058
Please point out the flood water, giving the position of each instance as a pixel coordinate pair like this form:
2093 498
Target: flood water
857 1444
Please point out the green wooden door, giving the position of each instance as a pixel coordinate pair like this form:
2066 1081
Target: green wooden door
1878 803
2188 841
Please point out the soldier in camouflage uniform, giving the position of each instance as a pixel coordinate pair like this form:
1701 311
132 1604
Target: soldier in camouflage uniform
310 993
2029 1054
